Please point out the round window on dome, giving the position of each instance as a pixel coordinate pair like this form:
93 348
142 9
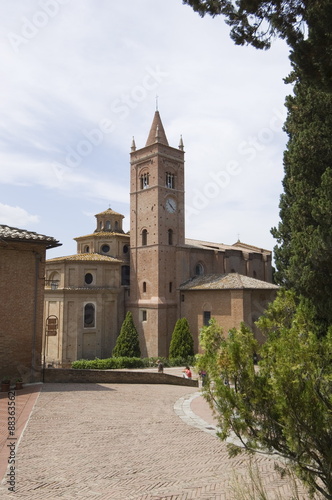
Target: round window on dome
105 248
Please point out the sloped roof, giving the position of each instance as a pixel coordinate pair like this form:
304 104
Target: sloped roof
252 248
94 257
8 233
229 281
103 234
109 211
222 246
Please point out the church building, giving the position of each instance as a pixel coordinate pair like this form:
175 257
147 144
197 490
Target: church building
154 271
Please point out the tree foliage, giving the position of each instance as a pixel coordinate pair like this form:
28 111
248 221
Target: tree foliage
127 343
303 24
182 343
285 406
304 251
304 235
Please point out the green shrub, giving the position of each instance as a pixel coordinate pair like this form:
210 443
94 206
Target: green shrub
78 365
182 343
108 364
94 364
126 362
127 343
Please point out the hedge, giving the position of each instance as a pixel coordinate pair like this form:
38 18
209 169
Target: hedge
125 362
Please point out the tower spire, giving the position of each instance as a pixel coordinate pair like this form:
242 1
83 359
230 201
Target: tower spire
157 132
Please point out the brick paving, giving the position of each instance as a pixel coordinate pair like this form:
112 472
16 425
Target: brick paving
21 404
127 442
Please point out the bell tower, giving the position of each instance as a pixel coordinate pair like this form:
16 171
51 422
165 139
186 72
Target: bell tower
156 233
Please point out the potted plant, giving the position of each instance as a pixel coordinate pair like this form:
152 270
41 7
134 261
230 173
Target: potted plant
18 383
5 384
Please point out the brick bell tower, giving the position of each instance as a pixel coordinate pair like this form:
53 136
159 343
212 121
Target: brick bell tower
156 233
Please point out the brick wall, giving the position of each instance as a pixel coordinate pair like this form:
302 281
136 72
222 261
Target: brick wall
60 375
21 292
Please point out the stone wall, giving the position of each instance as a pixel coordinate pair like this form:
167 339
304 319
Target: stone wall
60 375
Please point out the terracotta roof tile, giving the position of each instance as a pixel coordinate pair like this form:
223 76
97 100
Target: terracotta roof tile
9 233
109 211
229 281
221 246
95 257
103 234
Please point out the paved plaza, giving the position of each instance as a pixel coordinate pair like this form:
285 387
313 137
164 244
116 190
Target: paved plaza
122 442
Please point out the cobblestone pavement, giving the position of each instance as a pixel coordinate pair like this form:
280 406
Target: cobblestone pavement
123 442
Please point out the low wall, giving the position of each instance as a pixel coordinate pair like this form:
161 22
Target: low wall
62 375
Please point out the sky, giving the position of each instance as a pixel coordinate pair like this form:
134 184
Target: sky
80 78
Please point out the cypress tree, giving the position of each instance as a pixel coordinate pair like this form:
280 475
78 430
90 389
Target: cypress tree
304 235
127 343
182 343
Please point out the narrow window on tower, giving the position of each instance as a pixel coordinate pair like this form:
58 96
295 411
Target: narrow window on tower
144 180
144 237
144 286
170 236
144 315
170 180
170 287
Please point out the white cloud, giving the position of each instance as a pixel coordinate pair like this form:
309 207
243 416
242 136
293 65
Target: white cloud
17 217
87 63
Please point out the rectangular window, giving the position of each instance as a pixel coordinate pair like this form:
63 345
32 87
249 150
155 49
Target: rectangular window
206 318
125 275
144 315
170 287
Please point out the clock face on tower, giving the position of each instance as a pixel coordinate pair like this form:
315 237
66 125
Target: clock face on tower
171 205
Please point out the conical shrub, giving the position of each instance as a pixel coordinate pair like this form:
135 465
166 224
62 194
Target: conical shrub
127 343
182 343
